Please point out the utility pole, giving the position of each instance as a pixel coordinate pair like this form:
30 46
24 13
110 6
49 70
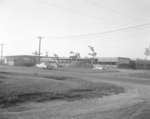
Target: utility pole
46 53
2 45
147 52
40 40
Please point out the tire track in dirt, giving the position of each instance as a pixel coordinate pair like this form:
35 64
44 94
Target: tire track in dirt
129 105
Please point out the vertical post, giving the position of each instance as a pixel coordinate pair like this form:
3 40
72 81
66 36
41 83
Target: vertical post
2 53
40 39
46 54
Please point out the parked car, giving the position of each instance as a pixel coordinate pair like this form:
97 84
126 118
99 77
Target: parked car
98 68
41 65
47 66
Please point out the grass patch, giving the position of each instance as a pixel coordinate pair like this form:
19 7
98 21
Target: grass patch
141 75
144 114
68 95
2 77
4 72
22 85
57 77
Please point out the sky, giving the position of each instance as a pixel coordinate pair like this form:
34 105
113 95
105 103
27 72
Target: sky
72 25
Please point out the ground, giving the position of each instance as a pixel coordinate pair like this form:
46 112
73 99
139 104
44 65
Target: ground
31 93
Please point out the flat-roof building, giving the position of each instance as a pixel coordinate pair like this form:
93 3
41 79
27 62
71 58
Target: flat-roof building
120 62
110 62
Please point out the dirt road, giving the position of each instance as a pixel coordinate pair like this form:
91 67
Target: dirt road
134 104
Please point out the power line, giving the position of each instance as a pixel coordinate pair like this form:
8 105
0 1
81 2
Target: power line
105 32
83 14
96 18
87 15
112 10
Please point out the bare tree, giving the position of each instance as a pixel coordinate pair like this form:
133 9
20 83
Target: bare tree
56 59
93 54
75 55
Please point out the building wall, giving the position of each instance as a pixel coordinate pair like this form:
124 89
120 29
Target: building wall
142 64
123 62
120 62
21 60
113 62
64 60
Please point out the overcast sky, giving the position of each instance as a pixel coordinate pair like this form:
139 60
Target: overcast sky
72 25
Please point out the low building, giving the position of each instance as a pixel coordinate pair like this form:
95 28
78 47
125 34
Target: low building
114 62
141 64
30 60
108 62
21 60
64 60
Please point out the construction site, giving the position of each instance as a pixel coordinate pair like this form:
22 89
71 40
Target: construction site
74 59
105 62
